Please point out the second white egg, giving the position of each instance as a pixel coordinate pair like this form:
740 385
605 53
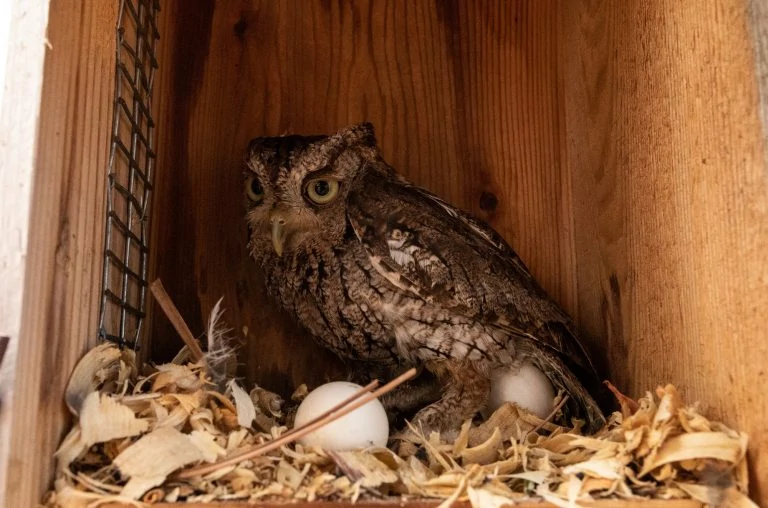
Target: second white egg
526 386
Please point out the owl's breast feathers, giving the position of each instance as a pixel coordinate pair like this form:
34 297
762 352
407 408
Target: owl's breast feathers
438 254
324 292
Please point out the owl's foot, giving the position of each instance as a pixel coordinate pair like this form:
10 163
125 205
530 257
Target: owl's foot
410 396
465 392
402 402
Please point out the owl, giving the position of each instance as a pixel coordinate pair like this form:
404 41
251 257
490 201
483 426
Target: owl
387 275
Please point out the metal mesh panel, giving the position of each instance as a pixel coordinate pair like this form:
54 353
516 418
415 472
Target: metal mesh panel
131 164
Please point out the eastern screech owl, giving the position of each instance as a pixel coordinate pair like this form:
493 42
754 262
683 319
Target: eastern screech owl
384 272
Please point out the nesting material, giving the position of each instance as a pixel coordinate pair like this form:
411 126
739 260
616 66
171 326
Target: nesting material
134 434
187 431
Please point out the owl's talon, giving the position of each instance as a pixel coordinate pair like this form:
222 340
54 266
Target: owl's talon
429 420
465 393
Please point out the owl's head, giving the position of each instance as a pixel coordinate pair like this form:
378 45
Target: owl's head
297 187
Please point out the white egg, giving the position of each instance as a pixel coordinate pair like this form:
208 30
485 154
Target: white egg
527 387
364 427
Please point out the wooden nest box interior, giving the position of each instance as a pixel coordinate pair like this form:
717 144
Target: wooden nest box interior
620 147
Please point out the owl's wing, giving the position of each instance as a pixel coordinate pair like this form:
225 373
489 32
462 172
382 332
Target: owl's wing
425 246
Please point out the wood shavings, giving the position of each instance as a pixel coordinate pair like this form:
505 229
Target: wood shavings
487 499
100 365
484 453
135 434
70 449
363 466
75 498
171 377
268 402
207 445
104 419
153 457
714 445
246 410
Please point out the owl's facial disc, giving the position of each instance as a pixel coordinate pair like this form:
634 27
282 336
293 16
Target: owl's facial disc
296 189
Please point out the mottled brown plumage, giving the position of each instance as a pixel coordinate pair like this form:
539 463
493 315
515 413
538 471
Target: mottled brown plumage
387 273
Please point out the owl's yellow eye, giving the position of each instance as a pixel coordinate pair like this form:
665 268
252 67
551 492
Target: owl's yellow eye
322 190
254 189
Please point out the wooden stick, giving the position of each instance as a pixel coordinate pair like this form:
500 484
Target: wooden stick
176 320
341 409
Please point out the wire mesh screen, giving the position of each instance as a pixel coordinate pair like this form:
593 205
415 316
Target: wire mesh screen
131 164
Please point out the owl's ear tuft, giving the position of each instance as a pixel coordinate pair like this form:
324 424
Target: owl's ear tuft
255 148
361 134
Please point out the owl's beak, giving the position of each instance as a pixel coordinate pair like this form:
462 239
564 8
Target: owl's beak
278 231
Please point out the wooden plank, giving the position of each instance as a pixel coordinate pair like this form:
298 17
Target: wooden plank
464 96
64 253
670 186
758 23
533 503
22 30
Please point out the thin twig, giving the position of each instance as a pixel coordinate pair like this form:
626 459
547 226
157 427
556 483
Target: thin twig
175 318
549 417
347 406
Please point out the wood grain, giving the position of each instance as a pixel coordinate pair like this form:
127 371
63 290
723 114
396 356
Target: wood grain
670 186
66 226
22 27
758 24
464 97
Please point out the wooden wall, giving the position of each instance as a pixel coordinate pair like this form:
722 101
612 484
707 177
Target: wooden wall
670 184
21 81
63 205
617 146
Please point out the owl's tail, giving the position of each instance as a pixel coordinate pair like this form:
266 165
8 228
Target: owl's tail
580 403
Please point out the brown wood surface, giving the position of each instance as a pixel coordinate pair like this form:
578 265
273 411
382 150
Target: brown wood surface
608 503
758 24
22 27
66 228
664 145
464 97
